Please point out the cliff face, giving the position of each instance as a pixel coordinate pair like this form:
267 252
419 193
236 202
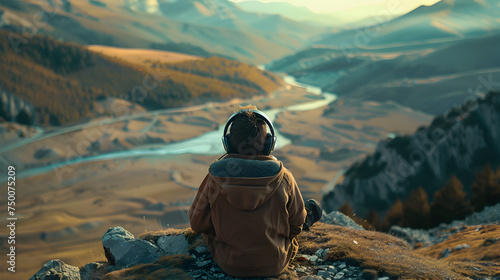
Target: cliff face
13 108
459 142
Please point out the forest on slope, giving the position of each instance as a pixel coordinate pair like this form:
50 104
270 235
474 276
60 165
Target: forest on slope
63 80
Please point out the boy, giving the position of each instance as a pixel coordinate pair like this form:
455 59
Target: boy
249 207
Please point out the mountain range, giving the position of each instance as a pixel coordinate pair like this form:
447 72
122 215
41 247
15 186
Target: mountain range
340 20
216 27
428 59
446 20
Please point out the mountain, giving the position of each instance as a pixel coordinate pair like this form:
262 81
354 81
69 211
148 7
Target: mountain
48 82
426 77
458 143
216 27
291 11
445 20
226 14
344 19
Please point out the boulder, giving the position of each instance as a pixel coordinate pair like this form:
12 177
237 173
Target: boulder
339 219
57 270
93 271
123 250
412 236
173 245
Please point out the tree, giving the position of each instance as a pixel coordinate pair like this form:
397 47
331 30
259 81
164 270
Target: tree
416 209
373 220
450 203
394 216
346 209
486 188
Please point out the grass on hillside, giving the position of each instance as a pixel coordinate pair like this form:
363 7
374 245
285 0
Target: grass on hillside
63 80
375 252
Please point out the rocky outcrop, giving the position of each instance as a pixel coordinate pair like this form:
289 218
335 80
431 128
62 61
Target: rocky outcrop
325 252
14 109
339 219
458 142
57 270
123 250
489 215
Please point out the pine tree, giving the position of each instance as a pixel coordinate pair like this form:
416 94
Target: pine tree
416 209
373 220
486 188
346 209
394 216
450 203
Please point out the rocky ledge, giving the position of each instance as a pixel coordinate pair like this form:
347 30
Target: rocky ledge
335 248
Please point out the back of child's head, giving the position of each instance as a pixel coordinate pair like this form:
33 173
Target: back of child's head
248 132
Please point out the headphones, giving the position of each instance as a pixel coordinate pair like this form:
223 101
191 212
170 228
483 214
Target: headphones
270 141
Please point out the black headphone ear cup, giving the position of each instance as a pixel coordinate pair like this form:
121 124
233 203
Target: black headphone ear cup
268 144
226 142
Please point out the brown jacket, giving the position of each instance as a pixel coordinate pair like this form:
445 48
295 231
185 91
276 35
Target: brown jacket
249 209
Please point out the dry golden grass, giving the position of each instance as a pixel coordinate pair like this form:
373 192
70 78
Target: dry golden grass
376 253
484 244
142 56
168 267
389 255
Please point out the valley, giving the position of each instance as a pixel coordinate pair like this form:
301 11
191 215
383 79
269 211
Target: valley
112 112
152 189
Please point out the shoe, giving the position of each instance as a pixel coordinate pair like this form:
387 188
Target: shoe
314 213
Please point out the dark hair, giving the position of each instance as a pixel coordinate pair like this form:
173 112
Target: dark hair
248 133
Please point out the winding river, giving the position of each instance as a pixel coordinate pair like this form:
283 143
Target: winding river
206 144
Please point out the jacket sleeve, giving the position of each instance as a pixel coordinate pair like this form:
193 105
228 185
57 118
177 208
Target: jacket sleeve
199 213
295 207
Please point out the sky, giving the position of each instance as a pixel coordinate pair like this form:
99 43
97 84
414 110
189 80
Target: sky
326 6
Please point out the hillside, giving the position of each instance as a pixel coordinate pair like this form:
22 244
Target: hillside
201 27
445 20
445 74
61 81
328 251
458 143
440 53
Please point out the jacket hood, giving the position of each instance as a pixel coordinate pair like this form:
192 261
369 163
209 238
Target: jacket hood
247 182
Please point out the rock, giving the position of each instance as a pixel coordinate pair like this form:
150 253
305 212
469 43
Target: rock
313 258
312 277
123 250
93 271
339 219
201 249
461 247
300 269
339 275
57 269
342 266
412 236
332 269
203 263
173 245
15 109
445 253
324 273
319 253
